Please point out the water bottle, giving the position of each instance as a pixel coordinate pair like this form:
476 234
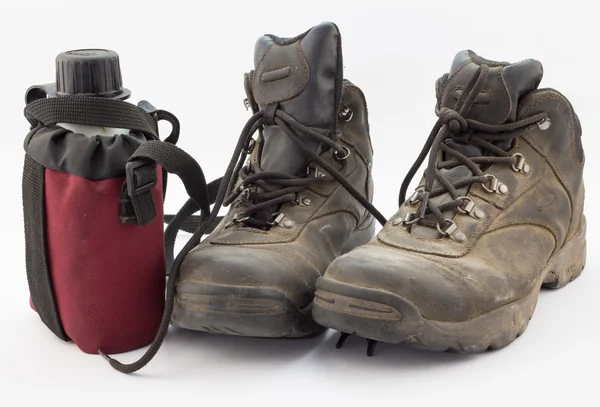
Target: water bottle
95 258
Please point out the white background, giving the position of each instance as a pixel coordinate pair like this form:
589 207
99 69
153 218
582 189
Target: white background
189 57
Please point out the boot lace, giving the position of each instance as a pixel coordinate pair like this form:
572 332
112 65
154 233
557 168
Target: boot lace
278 187
263 192
452 128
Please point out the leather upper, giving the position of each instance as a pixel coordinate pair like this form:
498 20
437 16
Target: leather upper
289 259
505 253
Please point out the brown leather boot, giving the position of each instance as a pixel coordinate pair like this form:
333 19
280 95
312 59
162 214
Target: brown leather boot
497 215
298 202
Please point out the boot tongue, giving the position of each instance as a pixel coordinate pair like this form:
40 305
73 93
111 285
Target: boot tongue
497 103
506 83
303 76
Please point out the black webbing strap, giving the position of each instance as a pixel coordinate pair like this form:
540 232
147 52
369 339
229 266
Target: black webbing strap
91 111
173 137
173 121
36 261
175 225
188 222
184 219
175 161
136 197
141 178
191 243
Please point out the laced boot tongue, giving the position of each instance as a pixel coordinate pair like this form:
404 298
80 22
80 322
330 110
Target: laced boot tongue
303 77
498 100
496 104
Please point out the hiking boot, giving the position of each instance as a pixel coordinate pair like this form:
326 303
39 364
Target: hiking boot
296 203
497 215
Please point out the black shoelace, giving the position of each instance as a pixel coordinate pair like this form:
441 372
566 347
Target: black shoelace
268 181
263 192
453 126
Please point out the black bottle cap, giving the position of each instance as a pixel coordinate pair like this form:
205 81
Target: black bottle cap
90 72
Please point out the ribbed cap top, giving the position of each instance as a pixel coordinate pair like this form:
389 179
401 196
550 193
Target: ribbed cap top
90 72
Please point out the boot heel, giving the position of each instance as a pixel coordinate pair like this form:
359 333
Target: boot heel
568 263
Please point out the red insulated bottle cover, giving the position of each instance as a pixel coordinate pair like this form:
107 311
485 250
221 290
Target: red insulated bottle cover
96 272
108 277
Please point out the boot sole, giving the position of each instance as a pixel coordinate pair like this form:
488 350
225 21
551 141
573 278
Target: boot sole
243 311
252 311
383 316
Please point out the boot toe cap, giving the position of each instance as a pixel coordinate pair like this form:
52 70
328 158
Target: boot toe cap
239 268
432 288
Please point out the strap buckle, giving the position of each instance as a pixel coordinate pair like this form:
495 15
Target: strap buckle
138 183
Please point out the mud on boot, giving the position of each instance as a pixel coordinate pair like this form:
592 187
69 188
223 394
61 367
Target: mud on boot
497 215
296 204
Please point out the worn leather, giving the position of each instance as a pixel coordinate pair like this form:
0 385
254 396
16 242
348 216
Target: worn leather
496 104
303 75
505 85
290 260
505 253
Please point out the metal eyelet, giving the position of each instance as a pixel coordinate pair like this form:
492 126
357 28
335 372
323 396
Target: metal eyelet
346 114
240 189
237 218
250 147
452 231
468 208
306 201
414 198
544 124
318 172
495 186
244 194
336 154
520 165
278 218
408 219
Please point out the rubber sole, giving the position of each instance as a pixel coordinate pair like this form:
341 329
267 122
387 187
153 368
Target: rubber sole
243 311
384 316
251 311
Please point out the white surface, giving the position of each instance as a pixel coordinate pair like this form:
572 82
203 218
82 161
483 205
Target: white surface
189 58
92 131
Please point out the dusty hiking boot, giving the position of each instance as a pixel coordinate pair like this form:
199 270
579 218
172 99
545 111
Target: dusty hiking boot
297 203
497 215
